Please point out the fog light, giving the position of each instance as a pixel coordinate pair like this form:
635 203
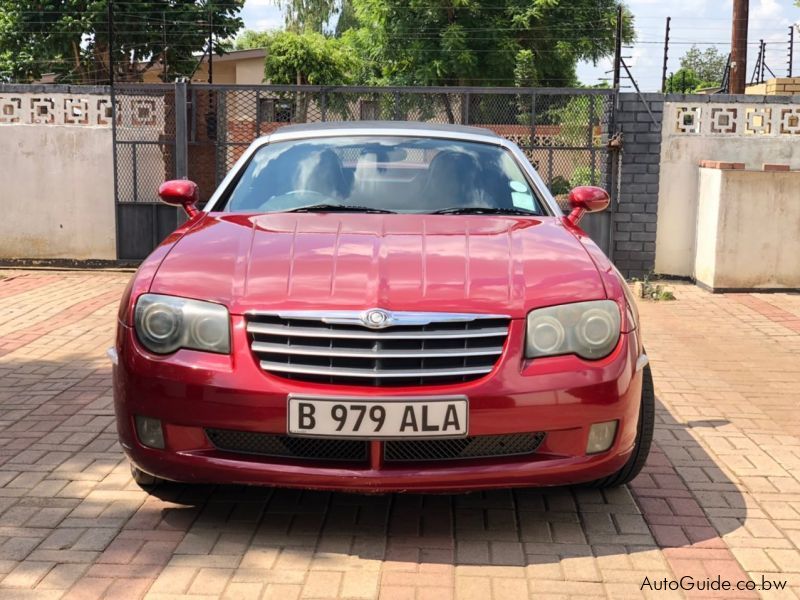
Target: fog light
149 432
601 436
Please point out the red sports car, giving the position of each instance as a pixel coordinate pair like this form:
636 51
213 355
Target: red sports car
381 307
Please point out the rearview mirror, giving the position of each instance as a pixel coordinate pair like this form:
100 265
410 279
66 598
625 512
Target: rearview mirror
587 199
180 192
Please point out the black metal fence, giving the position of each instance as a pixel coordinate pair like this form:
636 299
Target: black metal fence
199 131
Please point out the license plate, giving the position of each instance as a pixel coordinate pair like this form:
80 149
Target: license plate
379 418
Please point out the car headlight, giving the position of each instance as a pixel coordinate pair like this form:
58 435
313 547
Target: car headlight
166 323
588 329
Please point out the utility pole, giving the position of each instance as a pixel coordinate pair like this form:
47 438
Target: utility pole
741 10
762 78
618 48
111 43
666 56
791 48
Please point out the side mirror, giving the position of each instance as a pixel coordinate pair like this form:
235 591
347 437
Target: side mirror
587 199
180 192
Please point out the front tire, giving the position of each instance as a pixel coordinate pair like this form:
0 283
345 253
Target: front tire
644 438
144 480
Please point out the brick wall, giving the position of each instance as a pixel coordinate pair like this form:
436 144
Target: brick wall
779 86
771 137
636 211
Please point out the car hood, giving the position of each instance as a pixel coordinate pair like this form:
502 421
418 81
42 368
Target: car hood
463 263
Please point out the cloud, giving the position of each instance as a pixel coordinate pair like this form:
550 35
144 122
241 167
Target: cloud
704 23
269 23
766 9
261 15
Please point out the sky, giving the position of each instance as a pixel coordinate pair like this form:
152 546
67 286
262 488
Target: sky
703 22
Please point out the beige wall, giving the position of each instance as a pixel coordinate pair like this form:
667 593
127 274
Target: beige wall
748 234
224 73
240 71
686 140
245 71
709 196
57 191
250 71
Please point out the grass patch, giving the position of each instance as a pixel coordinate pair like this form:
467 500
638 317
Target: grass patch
653 290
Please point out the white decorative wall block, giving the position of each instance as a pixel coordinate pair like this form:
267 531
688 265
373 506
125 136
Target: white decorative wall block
789 121
688 119
759 121
10 110
724 120
68 110
733 119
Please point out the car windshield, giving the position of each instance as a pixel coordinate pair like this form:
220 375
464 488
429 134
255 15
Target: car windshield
383 174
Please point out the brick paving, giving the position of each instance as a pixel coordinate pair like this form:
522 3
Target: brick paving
720 494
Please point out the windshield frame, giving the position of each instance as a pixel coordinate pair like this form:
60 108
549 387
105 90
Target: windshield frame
223 192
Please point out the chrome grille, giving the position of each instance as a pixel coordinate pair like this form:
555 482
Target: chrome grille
411 349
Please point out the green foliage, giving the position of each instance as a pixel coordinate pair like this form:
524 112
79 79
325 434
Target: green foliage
308 15
485 42
708 65
582 176
525 69
683 81
249 40
559 186
308 58
573 118
69 37
651 290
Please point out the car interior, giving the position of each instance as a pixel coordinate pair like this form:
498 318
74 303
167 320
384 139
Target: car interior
376 176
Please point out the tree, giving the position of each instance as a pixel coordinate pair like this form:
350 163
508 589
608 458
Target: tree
308 15
308 59
708 65
486 42
249 39
70 37
684 81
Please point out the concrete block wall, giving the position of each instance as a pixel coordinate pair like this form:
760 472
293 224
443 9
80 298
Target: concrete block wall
749 129
56 173
635 213
645 201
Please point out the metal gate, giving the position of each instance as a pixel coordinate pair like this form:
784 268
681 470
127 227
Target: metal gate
199 131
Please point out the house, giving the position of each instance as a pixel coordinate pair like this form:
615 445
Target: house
242 67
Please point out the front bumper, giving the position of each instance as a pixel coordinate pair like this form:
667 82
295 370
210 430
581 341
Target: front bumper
562 396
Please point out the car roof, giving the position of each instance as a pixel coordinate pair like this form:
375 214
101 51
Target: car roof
414 128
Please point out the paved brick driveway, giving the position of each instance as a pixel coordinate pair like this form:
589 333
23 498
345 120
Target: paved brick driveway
720 496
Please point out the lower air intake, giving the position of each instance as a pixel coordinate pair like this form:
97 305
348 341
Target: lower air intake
282 446
479 446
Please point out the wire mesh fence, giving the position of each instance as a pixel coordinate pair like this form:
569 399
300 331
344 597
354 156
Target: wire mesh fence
563 132
144 140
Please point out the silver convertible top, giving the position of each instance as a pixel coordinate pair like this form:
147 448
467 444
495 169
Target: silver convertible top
387 128
409 128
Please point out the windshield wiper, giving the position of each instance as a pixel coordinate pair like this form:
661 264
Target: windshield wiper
338 208
483 210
